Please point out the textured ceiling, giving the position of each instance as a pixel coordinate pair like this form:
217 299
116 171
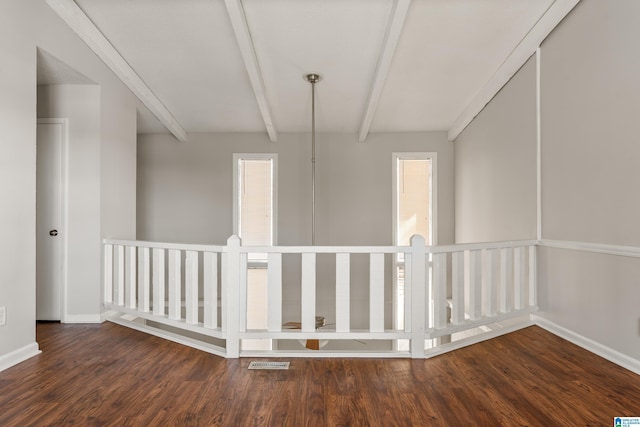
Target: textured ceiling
189 56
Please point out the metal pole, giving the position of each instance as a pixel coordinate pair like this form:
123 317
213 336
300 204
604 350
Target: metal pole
313 79
313 162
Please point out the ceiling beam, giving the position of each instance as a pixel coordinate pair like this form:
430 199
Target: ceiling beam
394 29
243 36
521 54
78 21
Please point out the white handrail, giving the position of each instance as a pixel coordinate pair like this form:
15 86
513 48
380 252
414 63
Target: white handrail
489 282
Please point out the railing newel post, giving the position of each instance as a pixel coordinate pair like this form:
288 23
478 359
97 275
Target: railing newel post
419 304
232 284
108 274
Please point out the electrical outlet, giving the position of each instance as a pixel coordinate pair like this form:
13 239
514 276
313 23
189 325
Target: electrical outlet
3 316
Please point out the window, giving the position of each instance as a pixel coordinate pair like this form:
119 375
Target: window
254 194
413 213
254 221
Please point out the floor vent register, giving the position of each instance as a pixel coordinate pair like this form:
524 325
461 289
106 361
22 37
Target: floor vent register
269 365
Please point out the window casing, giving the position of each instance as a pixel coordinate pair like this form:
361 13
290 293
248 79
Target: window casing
414 212
254 221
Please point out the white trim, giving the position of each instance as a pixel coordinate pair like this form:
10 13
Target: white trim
83 318
345 354
433 193
518 57
106 314
394 29
20 355
601 350
165 245
599 248
538 145
274 197
170 336
64 186
324 249
470 324
445 348
243 36
163 320
433 209
324 334
78 21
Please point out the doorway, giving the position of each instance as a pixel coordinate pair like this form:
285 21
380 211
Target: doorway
51 221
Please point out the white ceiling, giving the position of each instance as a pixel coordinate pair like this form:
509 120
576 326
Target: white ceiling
189 55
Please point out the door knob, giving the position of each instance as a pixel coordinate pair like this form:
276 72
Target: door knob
53 233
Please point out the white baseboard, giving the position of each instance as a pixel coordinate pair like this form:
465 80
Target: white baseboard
190 342
83 318
106 314
20 355
445 348
588 344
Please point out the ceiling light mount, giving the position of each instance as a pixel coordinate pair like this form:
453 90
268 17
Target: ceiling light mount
312 78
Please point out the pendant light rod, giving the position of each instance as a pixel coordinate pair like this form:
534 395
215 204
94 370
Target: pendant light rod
313 78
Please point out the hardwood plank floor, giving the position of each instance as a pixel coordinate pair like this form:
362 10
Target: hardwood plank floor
103 375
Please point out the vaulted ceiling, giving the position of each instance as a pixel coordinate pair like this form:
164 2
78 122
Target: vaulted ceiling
238 65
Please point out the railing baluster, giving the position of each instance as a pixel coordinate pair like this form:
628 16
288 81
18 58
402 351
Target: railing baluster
457 291
231 296
419 306
274 289
519 278
108 274
490 283
224 292
242 289
210 260
119 271
376 292
143 279
475 284
175 282
343 292
408 291
439 288
130 279
532 277
506 280
191 287
308 292
158 282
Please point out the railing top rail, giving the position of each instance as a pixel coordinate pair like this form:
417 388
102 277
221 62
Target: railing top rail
323 249
385 249
162 245
478 246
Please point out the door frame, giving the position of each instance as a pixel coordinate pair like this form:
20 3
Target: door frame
432 156
64 187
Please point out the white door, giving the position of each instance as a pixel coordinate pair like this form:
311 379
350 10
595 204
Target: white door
49 230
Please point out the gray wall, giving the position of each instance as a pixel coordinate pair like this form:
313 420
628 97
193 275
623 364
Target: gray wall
185 190
24 26
594 295
590 173
590 104
589 107
495 165
80 104
185 195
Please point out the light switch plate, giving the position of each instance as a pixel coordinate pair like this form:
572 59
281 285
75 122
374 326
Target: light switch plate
3 316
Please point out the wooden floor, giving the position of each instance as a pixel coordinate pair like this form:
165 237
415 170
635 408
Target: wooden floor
99 375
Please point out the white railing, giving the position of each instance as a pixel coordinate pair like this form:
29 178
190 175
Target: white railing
448 291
